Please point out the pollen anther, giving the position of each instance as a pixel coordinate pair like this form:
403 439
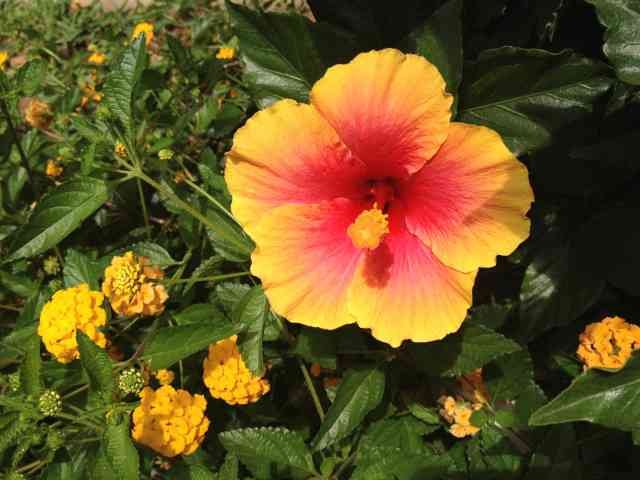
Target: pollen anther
369 228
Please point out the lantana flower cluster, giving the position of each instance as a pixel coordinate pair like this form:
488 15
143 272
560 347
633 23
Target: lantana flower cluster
608 343
457 410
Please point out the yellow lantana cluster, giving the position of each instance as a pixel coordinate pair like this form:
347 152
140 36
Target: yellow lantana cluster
458 410
147 29
227 376
75 308
171 422
226 53
97 58
164 376
608 343
129 285
4 56
36 113
54 169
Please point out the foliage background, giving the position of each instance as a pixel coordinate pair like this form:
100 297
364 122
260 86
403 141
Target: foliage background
557 78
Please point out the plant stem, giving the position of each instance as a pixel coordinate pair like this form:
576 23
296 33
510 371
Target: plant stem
312 389
16 140
9 307
206 195
214 278
73 419
73 393
145 213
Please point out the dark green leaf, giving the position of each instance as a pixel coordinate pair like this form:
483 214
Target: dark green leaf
557 457
181 56
359 392
56 216
250 313
385 461
171 344
229 469
32 307
530 96
508 376
198 313
271 445
316 346
157 255
404 433
473 346
622 46
31 367
78 268
97 366
120 451
121 81
439 40
608 399
228 239
31 76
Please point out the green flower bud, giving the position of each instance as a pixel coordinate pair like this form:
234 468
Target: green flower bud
14 476
130 381
55 439
14 382
56 284
50 403
51 265
165 154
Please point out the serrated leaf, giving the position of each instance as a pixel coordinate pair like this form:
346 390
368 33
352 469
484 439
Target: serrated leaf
228 239
272 445
473 346
121 81
56 215
98 368
229 469
78 268
156 254
250 313
31 367
394 463
31 76
622 41
508 376
30 312
439 40
530 96
608 399
359 392
198 313
556 458
120 451
171 344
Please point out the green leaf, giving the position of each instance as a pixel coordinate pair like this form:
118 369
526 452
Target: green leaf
404 433
271 445
78 268
385 461
171 344
316 346
228 239
120 451
251 312
56 216
31 310
122 79
439 40
530 96
558 286
97 365
508 376
284 55
31 367
608 399
197 313
181 56
359 392
622 46
156 254
31 76
556 458
229 469
473 346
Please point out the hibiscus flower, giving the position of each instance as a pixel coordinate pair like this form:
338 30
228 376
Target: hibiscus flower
369 205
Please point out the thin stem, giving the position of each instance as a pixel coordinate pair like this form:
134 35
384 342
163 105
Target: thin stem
312 389
206 195
16 140
214 278
73 419
145 213
75 392
29 466
9 307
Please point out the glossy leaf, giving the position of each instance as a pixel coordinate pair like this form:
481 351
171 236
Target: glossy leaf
608 399
56 216
359 392
269 445
530 96
622 41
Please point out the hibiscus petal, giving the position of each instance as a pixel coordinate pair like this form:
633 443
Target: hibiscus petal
401 291
468 204
389 108
306 261
287 153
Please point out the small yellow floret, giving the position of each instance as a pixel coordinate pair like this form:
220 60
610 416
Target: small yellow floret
458 413
75 308
147 29
97 58
369 228
129 285
171 422
164 376
54 169
227 376
608 343
4 56
226 53
120 150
